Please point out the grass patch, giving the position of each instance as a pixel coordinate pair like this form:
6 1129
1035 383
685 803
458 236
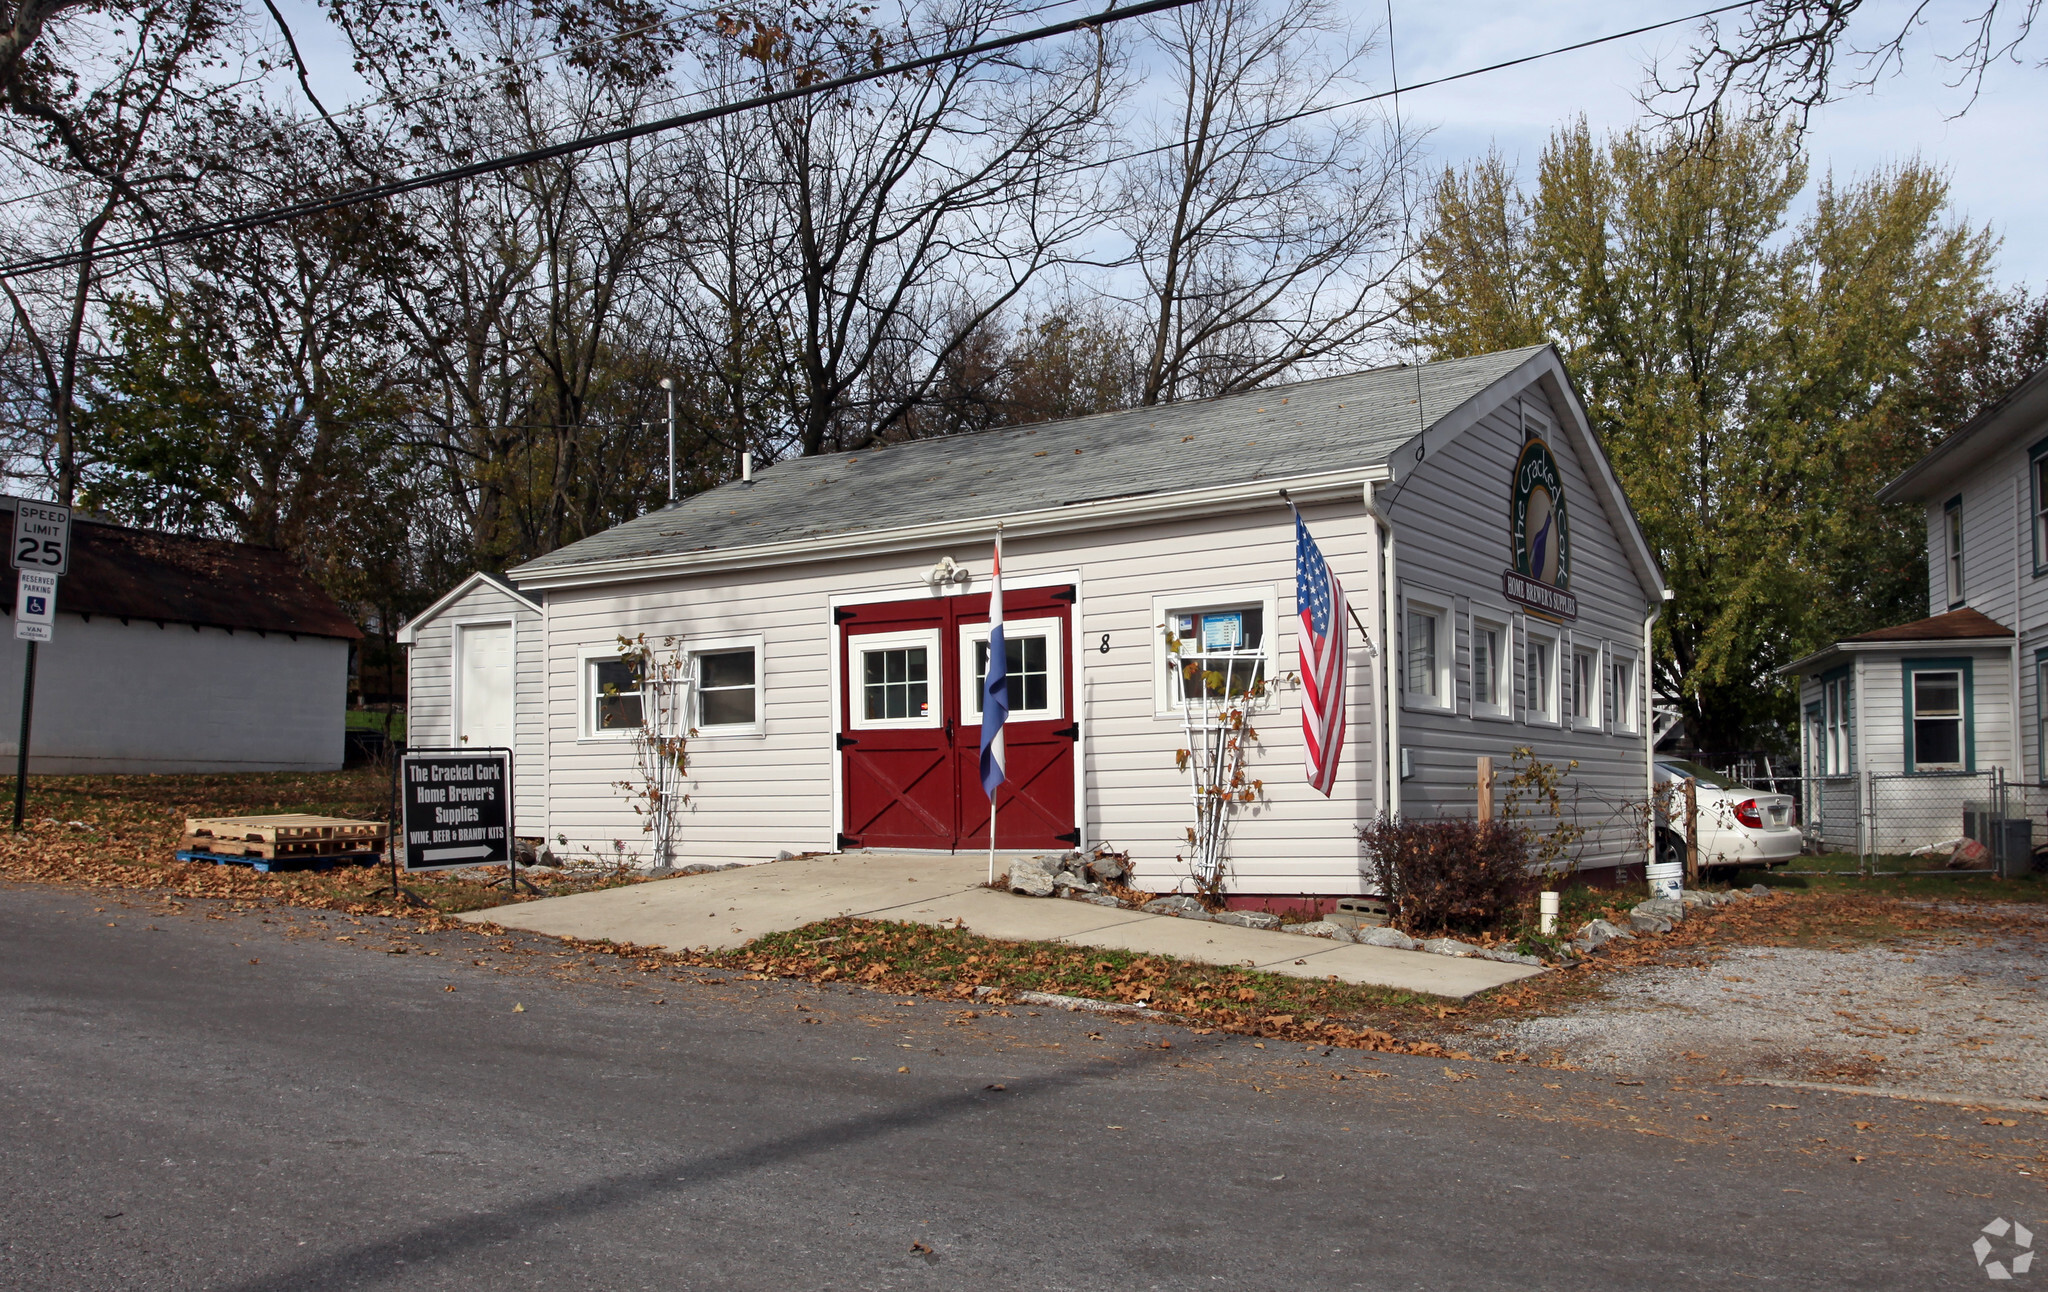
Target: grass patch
122 831
373 720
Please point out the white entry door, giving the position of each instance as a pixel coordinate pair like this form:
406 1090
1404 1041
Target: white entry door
483 685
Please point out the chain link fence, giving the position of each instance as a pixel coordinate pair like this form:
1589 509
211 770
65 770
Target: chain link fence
1895 822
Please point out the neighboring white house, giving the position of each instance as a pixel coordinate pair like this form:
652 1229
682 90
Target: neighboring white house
833 611
476 678
1905 728
175 654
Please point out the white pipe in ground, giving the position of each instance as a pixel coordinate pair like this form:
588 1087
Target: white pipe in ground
1546 908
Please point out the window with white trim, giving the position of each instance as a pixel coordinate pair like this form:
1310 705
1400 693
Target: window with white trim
1621 671
1493 686
1032 656
612 699
1937 714
896 680
727 680
1426 655
1539 675
1585 687
1220 647
1835 725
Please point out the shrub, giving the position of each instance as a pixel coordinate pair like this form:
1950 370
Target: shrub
1452 875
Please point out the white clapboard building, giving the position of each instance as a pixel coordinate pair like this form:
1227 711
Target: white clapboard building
476 678
832 612
178 654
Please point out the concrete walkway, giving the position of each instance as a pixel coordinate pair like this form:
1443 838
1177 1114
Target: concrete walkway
733 907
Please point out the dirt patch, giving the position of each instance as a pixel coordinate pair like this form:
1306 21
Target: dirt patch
1962 1011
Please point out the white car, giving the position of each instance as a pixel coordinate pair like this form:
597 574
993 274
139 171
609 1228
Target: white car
1738 826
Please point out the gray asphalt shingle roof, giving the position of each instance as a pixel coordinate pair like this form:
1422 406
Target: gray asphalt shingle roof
1329 424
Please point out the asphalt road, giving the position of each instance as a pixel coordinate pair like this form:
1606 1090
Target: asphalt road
192 1100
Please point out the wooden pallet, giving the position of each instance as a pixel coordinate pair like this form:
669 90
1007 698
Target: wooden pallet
282 834
246 848
264 865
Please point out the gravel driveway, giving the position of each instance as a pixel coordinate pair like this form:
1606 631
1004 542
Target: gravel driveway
1961 1014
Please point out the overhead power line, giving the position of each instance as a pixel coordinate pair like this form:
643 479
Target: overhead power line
512 161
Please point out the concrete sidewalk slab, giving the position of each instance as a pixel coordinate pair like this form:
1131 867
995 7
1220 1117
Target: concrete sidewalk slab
730 908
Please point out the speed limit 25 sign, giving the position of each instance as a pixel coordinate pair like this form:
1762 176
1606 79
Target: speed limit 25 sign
42 537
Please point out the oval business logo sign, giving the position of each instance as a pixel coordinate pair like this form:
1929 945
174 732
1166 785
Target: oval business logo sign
1539 535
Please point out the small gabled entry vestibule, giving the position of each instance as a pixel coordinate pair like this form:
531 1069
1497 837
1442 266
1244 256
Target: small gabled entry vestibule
910 675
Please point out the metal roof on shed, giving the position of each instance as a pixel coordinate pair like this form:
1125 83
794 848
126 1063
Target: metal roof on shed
1278 432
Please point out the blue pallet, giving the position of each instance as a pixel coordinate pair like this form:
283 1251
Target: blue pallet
263 867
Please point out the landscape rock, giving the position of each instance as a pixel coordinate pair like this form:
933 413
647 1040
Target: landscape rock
1094 899
1068 879
1700 897
1385 937
1249 919
698 868
1668 908
1449 947
1642 922
1758 890
1175 904
1508 957
1319 929
1030 881
1106 869
785 855
1598 933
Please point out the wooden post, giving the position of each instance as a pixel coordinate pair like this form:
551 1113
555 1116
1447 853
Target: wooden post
1692 832
1485 788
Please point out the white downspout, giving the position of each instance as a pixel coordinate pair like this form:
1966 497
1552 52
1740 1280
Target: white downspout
1646 713
1389 687
2019 518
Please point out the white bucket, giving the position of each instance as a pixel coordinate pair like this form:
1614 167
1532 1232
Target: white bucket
1667 878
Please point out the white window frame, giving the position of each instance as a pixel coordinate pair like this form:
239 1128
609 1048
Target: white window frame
1443 646
1165 704
935 679
1624 695
1503 704
1547 716
754 642
1592 721
587 658
1836 725
1952 549
973 635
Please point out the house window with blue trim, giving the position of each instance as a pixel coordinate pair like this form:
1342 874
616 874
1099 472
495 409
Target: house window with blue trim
2038 478
1952 531
1939 732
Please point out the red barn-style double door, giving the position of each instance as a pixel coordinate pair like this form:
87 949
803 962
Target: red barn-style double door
910 722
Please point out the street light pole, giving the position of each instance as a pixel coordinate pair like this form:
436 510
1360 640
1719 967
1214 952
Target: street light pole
668 384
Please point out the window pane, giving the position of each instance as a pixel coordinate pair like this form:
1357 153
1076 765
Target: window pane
615 684
1482 666
1422 678
727 668
726 708
1937 695
894 683
1937 742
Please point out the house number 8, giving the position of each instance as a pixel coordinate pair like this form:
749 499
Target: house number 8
1104 647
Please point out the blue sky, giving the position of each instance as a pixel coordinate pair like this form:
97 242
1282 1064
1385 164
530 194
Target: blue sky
1994 153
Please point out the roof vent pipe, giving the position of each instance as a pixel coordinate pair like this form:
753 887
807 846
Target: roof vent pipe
746 466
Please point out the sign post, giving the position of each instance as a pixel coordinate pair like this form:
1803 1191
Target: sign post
42 553
455 809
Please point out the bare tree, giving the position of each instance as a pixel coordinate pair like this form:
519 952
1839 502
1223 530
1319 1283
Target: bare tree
1784 58
1264 242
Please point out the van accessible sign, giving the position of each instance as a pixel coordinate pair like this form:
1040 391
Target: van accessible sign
457 809
35 606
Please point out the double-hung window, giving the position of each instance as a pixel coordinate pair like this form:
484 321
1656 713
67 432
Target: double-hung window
612 700
1218 648
1426 655
1835 725
2037 471
727 680
1621 671
1585 687
1539 675
1493 685
1938 725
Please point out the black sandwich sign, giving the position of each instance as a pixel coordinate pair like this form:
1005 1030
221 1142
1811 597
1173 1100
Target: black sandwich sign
457 809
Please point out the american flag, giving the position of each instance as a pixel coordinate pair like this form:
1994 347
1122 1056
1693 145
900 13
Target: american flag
1321 601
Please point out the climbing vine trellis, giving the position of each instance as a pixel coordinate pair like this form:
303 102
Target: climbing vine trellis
1217 706
661 743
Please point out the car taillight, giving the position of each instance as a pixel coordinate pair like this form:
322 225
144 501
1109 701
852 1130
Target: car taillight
1746 813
